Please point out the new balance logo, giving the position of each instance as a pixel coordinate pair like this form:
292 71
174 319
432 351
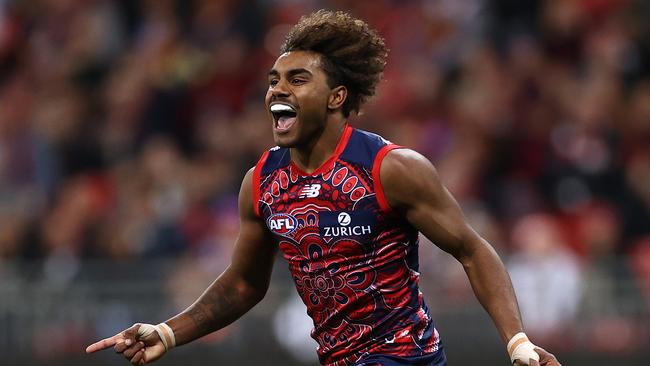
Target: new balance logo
310 191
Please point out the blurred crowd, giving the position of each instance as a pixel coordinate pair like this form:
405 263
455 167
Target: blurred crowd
126 127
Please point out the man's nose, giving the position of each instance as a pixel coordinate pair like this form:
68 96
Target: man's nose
280 89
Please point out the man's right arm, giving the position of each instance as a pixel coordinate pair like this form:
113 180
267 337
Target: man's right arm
242 285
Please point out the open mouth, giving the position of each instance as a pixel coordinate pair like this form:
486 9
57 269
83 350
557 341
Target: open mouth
284 116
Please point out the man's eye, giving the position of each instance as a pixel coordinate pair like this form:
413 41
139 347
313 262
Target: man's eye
273 82
298 81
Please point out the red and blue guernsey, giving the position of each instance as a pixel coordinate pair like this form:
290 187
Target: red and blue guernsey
353 260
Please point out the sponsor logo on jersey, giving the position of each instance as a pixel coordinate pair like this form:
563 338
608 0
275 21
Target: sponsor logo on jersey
344 219
345 224
310 191
281 223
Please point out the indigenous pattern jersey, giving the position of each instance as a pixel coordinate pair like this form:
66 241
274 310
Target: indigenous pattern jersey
354 262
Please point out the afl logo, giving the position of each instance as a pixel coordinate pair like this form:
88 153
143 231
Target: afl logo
281 223
344 219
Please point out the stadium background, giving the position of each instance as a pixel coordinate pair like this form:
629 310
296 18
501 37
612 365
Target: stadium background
126 127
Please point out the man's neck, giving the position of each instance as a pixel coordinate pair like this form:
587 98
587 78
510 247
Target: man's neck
310 157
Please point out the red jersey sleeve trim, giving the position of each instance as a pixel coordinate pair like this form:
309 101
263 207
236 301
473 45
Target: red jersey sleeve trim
256 183
376 166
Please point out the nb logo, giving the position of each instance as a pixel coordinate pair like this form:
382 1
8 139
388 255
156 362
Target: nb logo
310 191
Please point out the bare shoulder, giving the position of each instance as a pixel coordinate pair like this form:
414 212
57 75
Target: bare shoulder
403 160
407 176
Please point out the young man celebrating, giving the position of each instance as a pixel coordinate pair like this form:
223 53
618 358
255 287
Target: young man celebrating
344 207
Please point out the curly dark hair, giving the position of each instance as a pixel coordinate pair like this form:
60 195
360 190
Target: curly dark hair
352 54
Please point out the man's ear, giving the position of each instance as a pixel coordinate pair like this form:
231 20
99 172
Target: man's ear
337 97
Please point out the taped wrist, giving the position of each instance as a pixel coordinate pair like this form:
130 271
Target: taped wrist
521 349
164 331
166 335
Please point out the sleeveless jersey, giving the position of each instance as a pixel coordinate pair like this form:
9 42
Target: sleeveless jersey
354 261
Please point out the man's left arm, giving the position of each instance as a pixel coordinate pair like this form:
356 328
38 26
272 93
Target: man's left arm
412 187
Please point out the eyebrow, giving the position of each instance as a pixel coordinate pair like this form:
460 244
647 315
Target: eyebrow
291 72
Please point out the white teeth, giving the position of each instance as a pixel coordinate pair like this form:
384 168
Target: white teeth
279 107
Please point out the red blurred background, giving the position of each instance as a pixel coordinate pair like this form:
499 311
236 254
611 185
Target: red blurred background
126 127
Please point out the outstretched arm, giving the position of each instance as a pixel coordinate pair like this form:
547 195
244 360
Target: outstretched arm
412 187
242 285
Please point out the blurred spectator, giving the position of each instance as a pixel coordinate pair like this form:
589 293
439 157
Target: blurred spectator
546 276
610 287
640 263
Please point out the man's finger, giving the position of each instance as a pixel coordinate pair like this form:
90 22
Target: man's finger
138 357
131 334
131 351
546 358
531 362
104 343
120 347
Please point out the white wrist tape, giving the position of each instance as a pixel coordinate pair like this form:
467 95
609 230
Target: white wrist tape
166 335
145 330
164 331
521 349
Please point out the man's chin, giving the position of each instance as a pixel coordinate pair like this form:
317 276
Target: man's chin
284 140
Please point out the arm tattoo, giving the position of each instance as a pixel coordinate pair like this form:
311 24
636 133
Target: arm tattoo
200 318
217 307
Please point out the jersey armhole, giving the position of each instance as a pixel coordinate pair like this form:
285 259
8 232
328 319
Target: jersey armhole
376 167
257 182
